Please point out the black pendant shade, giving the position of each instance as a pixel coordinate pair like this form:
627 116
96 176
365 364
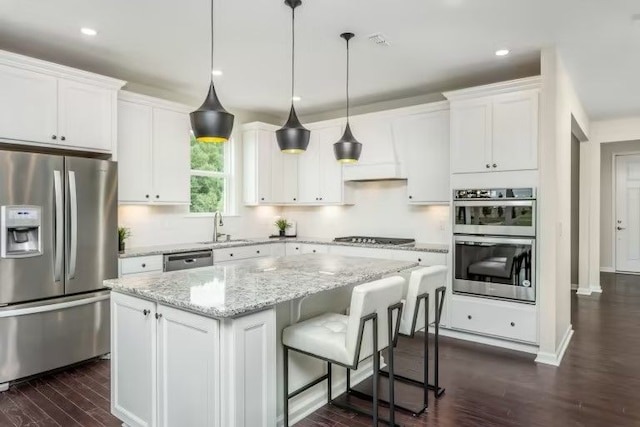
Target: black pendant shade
211 122
293 138
347 149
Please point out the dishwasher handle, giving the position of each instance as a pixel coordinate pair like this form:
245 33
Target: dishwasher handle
188 260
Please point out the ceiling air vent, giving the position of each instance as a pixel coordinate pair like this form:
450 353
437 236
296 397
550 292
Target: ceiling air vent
379 39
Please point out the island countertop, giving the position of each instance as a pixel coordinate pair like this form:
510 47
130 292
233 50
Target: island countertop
250 285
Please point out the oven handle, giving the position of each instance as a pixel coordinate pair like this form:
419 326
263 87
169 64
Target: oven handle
496 203
462 239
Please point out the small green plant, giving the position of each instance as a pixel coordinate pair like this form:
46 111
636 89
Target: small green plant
123 234
282 224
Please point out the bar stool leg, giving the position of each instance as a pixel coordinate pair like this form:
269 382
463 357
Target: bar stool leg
285 357
376 368
392 409
426 353
348 380
329 382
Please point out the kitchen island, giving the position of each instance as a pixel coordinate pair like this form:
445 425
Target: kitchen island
202 346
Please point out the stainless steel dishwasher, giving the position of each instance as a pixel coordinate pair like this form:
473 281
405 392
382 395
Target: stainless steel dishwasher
187 260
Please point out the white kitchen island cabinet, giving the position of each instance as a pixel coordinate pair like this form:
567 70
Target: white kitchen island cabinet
201 347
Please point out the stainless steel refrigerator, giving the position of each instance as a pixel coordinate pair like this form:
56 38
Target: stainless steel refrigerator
58 242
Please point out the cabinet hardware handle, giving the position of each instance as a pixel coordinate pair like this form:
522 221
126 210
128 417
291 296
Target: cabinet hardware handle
314 251
513 323
146 312
294 199
488 165
158 315
63 138
469 317
144 265
230 254
419 259
157 196
54 137
620 228
495 165
297 249
262 198
257 252
411 197
147 196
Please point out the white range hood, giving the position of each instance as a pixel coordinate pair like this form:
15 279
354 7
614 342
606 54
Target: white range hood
381 157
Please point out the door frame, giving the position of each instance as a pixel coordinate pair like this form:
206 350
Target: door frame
614 203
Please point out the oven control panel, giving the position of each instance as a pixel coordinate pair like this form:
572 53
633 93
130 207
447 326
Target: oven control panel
494 193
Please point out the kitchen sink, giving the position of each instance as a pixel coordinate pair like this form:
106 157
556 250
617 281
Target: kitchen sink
225 242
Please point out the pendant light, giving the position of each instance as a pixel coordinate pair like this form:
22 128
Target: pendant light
348 149
211 122
293 138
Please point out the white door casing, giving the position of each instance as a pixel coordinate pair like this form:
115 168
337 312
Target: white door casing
627 213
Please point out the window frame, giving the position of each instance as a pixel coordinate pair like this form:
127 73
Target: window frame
229 181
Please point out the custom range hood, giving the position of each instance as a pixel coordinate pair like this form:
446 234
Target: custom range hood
383 158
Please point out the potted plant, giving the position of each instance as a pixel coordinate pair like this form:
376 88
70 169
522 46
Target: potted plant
282 225
123 234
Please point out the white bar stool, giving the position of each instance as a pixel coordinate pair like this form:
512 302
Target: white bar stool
347 340
420 310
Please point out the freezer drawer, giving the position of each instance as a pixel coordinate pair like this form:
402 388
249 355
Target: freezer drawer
38 337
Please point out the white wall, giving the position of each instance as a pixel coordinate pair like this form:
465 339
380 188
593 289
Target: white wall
380 209
608 198
559 104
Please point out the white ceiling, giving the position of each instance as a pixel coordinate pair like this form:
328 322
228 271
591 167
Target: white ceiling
435 45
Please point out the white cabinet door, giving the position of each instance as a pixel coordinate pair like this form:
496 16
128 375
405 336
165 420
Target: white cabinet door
28 105
309 171
284 175
293 248
422 258
249 348
133 360
471 136
515 131
134 152
171 157
330 178
314 249
85 115
425 138
188 369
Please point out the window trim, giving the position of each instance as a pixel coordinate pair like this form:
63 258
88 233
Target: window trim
229 182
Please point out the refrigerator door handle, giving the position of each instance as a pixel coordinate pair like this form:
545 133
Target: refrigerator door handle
73 225
59 225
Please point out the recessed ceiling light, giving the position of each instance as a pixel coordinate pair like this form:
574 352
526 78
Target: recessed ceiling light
88 31
502 52
216 72
296 99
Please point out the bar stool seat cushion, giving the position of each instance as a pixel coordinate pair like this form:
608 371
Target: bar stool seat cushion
324 335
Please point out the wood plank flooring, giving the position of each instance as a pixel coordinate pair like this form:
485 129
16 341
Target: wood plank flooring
597 385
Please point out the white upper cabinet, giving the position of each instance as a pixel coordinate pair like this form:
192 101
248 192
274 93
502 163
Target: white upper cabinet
424 138
49 104
153 151
320 173
270 176
28 105
495 127
85 115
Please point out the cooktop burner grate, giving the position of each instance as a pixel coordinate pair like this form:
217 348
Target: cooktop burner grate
374 240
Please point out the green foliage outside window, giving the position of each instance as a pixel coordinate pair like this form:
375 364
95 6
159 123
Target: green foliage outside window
207 177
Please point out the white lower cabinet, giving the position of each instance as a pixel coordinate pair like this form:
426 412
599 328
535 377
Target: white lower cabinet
140 265
307 248
362 252
512 321
422 258
174 368
293 248
240 253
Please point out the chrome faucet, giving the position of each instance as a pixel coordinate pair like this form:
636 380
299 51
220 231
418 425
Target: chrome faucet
217 222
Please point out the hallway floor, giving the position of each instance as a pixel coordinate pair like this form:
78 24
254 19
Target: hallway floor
597 384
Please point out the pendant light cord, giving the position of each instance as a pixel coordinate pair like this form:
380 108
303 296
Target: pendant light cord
211 69
293 52
348 81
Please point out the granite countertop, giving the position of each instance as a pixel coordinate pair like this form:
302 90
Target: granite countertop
250 285
187 247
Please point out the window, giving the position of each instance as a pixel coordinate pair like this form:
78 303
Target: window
210 176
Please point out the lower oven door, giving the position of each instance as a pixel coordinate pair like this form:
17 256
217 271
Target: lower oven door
495 267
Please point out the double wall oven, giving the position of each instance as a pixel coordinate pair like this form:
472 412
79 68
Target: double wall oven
495 243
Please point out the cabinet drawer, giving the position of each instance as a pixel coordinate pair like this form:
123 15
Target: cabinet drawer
143 264
243 252
314 249
423 258
293 248
362 252
504 320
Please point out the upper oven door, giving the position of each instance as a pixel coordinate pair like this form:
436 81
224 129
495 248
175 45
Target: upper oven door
496 217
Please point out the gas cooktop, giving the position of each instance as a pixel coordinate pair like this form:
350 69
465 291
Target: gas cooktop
375 240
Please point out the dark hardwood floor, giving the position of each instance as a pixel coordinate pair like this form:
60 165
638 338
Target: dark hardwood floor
598 383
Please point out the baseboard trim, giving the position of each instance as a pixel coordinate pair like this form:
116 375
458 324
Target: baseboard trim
482 339
607 270
315 398
596 290
555 359
584 291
